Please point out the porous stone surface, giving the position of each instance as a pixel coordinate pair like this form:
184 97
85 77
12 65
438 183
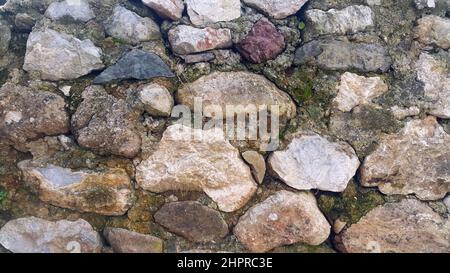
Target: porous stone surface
434 30
35 235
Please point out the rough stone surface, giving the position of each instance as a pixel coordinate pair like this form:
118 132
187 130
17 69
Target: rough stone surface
58 56
125 241
434 30
447 203
108 192
5 37
35 235
349 20
156 99
357 90
434 73
282 219
187 40
136 64
172 9
204 12
27 114
257 164
277 9
106 124
130 27
263 43
77 10
192 221
236 88
405 227
341 55
313 162
415 161
197 160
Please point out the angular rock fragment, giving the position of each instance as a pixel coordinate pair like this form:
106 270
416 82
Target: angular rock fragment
106 124
433 30
277 9
35 235
108 192
193 221
357 90
198 58
172 9
125 241
130 27
257 164
313 162
136 64
187 40
341 55
405 227
77 10
349 20
263 43
236 88
58 56
415 161
282 219
204 12
27 114
196 160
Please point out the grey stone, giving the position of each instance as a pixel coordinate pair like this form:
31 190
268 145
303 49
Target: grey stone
125 241
77 10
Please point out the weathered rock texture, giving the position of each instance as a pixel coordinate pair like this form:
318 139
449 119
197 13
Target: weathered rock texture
236 88
277 9
77 10
203 12
187 40
125 241
434 30
35 235
197 160
357 90
172 9
106 124
405 227
313 162
192 221
282 219
58 56
415 161
108 192
27 114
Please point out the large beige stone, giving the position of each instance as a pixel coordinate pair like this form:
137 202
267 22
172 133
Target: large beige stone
414 161
108 192
197 160
282 219
313 162
406 227
234 89
172 9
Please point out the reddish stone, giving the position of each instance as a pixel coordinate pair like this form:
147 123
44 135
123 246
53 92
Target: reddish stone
263 42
